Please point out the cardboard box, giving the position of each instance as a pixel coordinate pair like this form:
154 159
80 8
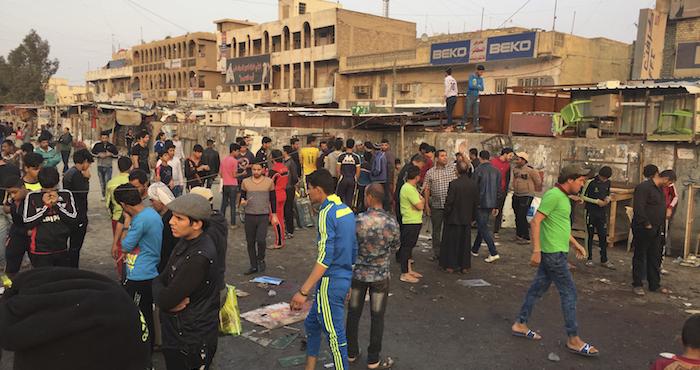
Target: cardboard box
605 105
592 133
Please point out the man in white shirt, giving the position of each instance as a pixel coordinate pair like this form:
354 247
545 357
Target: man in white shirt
450 94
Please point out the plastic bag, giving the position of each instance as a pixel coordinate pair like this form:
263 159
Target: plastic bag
229 315
533 208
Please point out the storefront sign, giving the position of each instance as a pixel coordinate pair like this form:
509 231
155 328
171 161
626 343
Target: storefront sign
478 51
520 45
455 52
252 70
649 45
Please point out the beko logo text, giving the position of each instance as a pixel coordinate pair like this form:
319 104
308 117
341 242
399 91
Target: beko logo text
449 53
510 47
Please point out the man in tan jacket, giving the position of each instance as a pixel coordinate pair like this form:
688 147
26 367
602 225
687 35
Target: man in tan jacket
526 180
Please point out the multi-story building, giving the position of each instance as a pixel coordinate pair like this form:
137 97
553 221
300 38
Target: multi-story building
296 59
511 56
59 92
112 83
176 68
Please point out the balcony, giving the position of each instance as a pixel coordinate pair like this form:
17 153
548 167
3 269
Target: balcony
108 74
320 95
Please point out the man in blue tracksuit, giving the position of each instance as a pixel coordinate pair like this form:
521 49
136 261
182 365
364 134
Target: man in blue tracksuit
332 272
475 85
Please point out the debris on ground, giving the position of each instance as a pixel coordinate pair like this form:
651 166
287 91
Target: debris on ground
472 283
604 281
267 280
692 312
691 261
240 293
284 341
553 357
271 293
276 315
329 365
250 335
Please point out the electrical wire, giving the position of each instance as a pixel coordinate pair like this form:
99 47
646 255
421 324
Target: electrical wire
513 15
157 15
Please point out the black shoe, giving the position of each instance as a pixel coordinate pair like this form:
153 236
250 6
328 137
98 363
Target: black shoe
251 271
261 266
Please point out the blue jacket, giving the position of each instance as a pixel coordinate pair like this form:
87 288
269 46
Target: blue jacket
142 245
379 167
337 241
51 157
475 85
489 179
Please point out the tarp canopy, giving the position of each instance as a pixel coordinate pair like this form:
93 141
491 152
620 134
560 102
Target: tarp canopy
127 118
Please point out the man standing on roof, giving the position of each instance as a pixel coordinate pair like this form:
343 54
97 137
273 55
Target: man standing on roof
450 95
475 86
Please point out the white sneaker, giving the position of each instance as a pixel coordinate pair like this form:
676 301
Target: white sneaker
490 259
475 254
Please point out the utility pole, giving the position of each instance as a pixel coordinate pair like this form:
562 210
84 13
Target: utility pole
393 87
573 21
554 19
385 8
481 28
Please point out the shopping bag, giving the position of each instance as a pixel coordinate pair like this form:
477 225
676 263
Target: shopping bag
229 315
533 208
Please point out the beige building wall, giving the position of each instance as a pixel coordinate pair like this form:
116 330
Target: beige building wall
66 94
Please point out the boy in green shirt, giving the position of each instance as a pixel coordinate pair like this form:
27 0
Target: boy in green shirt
551 235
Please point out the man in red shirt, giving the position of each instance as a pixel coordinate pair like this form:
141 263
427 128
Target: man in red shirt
502 163
428 152
690 359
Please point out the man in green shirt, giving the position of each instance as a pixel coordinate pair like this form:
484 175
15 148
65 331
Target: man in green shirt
551 235
116 211
411 205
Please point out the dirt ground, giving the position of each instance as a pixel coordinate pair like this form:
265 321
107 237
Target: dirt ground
438 324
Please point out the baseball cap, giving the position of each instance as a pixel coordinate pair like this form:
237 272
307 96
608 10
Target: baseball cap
203 192
191 205
574 169
523 155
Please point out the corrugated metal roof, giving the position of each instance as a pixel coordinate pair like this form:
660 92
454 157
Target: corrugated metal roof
692 87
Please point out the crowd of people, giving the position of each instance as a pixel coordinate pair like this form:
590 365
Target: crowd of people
169 241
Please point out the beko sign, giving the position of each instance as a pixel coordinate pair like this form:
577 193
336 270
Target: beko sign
521 45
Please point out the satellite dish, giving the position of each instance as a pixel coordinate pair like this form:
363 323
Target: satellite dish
424 37
219 89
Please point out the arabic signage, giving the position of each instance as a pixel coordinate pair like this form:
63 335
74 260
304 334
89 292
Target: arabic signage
521 45
251 70
172 63
649 45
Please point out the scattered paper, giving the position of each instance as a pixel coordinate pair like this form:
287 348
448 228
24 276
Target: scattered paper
473 283
267 280
276 315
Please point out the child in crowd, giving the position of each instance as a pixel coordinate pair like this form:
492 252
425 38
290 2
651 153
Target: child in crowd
690 360
31 165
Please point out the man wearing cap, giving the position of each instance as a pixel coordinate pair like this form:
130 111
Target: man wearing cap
217 231
450 95
105 153
186 292
525 182
551 237
475 85
50 155
596 195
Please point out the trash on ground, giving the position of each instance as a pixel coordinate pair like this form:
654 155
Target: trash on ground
329 365
692 312
2 290
276 315
250 335
687 304
280 267
284 341
462 318
553 357
267 280
271 293
471 283
604 281
240 293
291 328
424 250
292 360
424 237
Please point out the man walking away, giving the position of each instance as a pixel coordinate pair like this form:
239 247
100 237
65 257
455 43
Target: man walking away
411 205
294 173
77 180
436 183
647 230
525 180
229 171
461 206
349 169
331 274
551 236
186 292
377 235
258 198
211 158
488 178
331 160
502 163
475 85
65 142
450 94
105 153
280 177
596 195
141 241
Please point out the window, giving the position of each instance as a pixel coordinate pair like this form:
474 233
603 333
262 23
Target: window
324 36
383 90
296 39
302 8
533 81
501 85
276 43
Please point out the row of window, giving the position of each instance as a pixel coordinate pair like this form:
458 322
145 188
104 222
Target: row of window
282 42
181 63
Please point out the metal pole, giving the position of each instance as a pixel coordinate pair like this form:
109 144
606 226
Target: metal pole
393 87
573 21
554 19
403 147
481 28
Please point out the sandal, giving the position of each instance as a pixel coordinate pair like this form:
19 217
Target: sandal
352 360
408 278
529 335
382 364
585 350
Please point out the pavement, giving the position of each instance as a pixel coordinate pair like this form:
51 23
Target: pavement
439 324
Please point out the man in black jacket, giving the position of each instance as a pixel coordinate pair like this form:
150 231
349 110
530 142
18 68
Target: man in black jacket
77 180
461 205
218 232
488 179
211 158
647 230
186 291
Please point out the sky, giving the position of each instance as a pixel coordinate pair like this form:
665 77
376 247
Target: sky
82 33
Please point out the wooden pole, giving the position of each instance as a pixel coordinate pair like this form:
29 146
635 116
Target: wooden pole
403 147
689 220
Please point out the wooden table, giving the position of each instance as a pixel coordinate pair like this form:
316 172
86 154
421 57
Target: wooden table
618 222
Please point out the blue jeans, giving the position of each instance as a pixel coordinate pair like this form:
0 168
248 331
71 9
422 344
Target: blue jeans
471 106
327 315
553 268
105 174
228 198
483 232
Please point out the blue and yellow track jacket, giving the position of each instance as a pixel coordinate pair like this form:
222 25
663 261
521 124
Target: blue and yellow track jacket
337 242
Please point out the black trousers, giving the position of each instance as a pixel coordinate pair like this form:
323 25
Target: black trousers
646 262
141 292
409 238
77 237
289 211
521 204
388 202
455 249
346 190
499 218
59 259
449 108
190 360
378 299
16 247
597 224
255 234
65 155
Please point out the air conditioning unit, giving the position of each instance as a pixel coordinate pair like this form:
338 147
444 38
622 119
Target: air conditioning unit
404 88
361 90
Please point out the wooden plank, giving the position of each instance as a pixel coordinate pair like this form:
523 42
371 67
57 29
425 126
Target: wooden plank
689 220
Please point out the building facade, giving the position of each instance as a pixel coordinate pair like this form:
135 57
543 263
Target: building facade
112 83
59 92
176 68
296 59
